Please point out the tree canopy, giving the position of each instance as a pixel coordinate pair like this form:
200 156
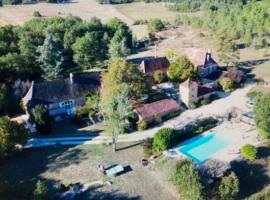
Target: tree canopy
262 115
181 69
11 134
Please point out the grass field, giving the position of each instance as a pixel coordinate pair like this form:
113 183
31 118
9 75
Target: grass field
78 165
83 8
145 11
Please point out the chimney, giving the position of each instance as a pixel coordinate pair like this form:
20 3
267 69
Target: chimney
71 78
155 51
208 54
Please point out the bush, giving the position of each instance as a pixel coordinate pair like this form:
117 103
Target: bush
42 119
187 180
148 147
41 191
142 125
155 25
159 76
227 84
229 187
192 105
249 152
204 101
37 14
164 139
157 119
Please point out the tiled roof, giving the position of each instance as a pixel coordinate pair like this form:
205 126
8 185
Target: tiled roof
235 75
158 108
199 57
150 65
48 92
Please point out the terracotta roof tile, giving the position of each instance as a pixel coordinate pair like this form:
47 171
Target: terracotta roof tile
158 108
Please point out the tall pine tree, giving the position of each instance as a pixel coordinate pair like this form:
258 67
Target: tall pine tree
50 58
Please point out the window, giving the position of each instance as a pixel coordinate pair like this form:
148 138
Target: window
68 104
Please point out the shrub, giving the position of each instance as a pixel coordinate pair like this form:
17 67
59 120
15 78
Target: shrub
148 147
42 119
159 76
187 180
37 14
249 152
229 187
142 125
155 25
163 139
157 119
192 105
227 84
204 101
41 191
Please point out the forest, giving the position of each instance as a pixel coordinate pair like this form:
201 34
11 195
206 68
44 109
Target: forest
51 48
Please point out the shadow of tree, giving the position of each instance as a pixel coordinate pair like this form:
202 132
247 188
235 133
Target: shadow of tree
263 152
23 170
96 193
252 176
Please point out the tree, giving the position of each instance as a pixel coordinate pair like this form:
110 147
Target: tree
1 3
159 76
3 96
11 135
115 108
249 152
41 191
181 69
11 67
229 187
227 49
227 84
262 115
163 139
117 46
121 71
91 106
187 180
50 58
88 51
41 117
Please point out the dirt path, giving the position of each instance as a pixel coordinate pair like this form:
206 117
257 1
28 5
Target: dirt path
86 9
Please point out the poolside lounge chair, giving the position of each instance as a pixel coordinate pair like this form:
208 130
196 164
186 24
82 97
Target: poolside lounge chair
114 170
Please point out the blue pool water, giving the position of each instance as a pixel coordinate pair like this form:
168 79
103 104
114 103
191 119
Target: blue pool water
201 148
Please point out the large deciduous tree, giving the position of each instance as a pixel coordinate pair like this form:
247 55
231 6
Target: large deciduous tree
262 115
50 58
11 135
181 69
115 108
88 51
118 47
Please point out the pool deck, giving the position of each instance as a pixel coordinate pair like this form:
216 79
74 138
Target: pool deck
237 133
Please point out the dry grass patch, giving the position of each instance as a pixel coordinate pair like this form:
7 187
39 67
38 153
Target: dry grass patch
86 9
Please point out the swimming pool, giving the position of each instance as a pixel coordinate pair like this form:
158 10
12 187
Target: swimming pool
202 147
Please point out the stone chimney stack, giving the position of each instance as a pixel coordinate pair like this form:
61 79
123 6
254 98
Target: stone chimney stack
71 78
